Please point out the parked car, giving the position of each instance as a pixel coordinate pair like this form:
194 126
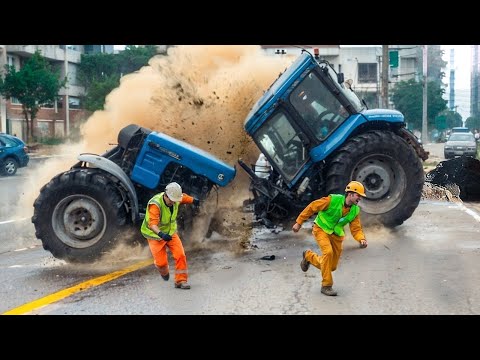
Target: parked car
460 143
13 154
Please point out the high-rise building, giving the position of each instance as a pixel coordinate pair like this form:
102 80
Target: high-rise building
451 98
475 83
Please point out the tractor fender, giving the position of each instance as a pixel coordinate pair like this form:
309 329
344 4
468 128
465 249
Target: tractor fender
112 168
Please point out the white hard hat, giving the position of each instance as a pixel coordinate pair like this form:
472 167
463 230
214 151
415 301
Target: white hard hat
174 192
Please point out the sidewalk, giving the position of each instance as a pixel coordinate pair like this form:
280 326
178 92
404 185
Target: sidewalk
435 156
43 152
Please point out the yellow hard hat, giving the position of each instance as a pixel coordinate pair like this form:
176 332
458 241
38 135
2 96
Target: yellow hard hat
356 186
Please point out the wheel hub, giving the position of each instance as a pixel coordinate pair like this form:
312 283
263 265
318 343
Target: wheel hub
79 221
9 168
376 179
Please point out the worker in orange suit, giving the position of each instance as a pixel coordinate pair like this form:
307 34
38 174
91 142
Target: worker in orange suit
334 212
159 227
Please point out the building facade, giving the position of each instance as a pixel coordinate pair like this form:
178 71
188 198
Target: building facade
66 113
475 82
362 64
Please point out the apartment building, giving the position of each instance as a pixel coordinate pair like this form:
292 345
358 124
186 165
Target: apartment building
66 113
362 64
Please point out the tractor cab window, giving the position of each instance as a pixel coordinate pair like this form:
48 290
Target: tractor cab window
317 106
280 142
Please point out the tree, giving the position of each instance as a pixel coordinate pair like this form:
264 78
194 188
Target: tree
407 97
473 122
98 74
36 83
135 57
101 73
98 91
453 118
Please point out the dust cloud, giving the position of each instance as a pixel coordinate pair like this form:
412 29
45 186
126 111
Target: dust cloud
197 93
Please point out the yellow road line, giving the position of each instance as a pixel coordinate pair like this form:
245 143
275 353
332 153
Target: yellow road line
47 300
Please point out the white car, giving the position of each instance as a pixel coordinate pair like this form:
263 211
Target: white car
460 143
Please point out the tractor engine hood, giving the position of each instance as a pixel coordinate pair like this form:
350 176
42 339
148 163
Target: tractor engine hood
160 149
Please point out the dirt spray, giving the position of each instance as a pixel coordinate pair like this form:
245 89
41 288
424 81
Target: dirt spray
199 94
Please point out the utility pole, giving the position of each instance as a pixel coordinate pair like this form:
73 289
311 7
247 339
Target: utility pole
425 92
67 101
385 66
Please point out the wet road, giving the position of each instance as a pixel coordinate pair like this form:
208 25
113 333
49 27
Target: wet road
429 265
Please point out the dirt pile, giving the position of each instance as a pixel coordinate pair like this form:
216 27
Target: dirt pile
462 172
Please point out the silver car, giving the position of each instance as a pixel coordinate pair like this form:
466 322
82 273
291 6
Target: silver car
460 143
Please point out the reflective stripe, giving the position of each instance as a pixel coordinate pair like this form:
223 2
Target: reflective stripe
163 270
184 271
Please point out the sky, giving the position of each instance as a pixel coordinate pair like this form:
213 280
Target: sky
462 64
463 68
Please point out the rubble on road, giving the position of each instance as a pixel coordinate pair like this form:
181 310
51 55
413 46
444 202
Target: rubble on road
434 192
459 176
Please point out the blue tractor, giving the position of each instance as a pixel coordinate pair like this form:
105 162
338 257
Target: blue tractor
318 135
84 212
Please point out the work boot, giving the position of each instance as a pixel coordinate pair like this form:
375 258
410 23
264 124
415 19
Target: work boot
327 290
182 285
304 264
166 277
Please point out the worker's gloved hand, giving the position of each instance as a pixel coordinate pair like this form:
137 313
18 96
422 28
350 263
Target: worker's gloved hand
164 236
196 202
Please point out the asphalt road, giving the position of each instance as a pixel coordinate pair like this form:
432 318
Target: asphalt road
428 265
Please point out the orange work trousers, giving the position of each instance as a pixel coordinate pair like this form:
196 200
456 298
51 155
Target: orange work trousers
158 249
331 247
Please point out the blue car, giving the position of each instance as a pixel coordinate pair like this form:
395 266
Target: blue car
13 154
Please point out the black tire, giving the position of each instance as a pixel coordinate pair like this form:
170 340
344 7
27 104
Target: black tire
390 170
9 167
79 215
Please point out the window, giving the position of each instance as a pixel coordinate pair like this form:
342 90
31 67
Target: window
8 142
280 142
318 107
51 105
74 102
10 60
15 101
367 73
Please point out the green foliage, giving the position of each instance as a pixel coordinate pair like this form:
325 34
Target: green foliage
50 141
453 119
96 68
407 97
98 91
133 58
101 73
447 119
473 122
36 83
